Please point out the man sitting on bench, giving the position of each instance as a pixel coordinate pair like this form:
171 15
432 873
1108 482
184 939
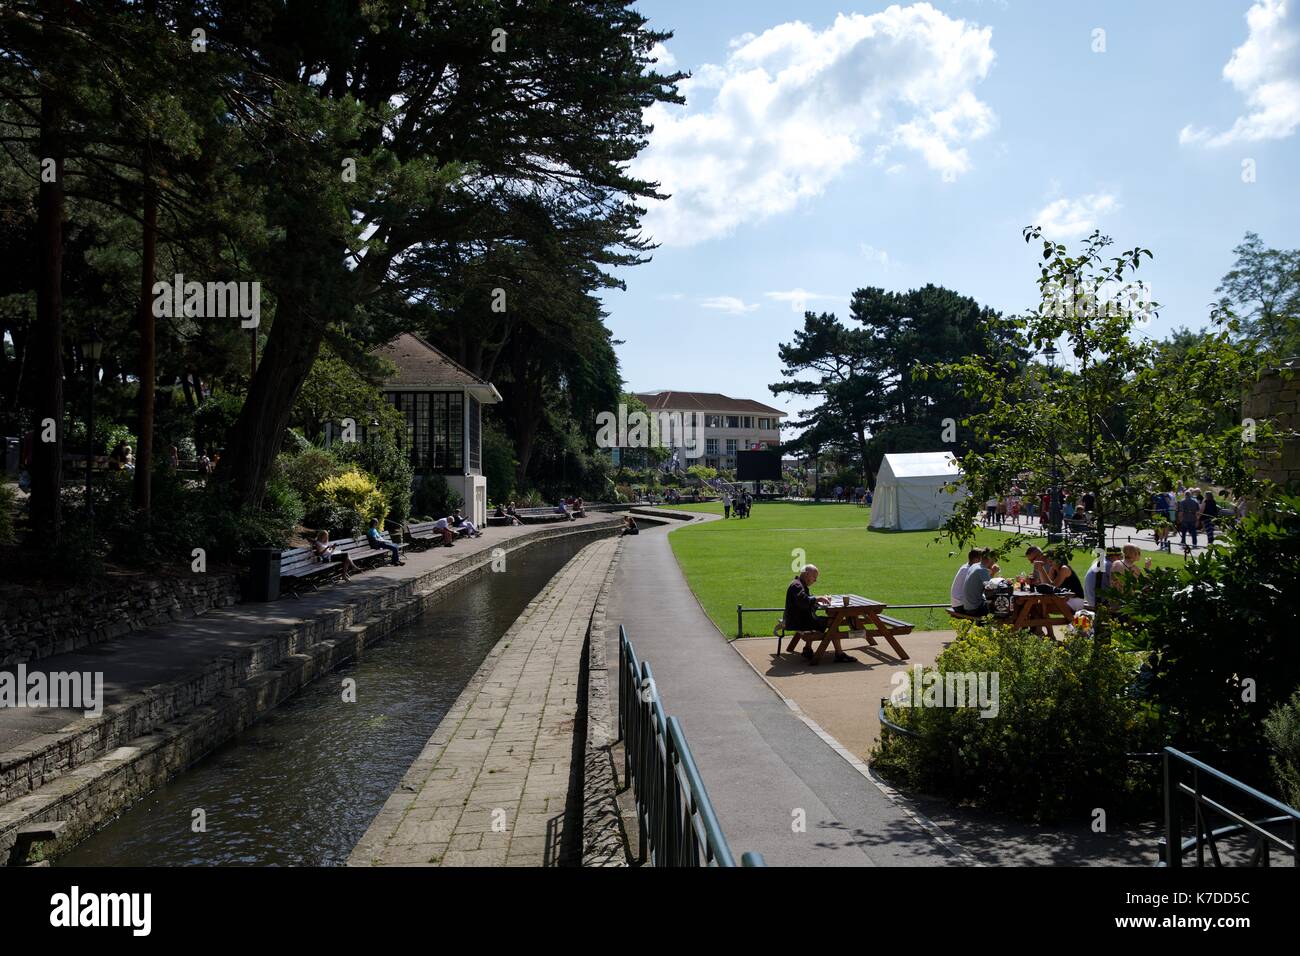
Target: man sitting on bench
377 541
801 616
974 603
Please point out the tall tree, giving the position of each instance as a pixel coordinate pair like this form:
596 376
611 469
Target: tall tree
1263 290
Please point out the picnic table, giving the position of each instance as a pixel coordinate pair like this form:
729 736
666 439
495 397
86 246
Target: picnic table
859 617
1041 612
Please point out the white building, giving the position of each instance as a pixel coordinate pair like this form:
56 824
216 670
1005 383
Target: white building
729 425
442 401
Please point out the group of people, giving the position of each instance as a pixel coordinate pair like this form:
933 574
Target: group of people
1195 512
1115 570
740 503
447 529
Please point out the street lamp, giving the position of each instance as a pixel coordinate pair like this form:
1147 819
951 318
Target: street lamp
92 348
1054 501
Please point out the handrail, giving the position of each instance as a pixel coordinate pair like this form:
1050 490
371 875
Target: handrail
676 822
1175 846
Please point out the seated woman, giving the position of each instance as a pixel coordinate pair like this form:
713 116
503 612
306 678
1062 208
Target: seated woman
1125 571
629 526
464 525
1059 574
326 552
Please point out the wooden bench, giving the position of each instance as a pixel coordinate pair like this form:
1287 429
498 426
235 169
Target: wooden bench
300 568
423 536
502 521
362 554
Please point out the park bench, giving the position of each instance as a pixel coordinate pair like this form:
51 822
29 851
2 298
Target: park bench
300 568
539 515
495 521
422 535
859 617
362 555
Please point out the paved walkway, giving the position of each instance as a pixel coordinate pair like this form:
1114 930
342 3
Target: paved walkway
169 652
491 786
766 771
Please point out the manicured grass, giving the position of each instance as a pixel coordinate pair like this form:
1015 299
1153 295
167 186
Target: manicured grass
750 562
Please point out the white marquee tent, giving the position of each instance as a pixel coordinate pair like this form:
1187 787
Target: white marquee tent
910 493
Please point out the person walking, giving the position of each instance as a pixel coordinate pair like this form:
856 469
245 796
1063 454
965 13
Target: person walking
1189 514
1209 512
726 504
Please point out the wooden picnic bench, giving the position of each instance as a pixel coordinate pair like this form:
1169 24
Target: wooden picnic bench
1032 611
859 617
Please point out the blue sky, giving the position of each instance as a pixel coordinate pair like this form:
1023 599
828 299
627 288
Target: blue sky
825 147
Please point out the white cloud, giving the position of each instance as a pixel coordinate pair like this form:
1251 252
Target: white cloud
791 108
1266 71
878 256
662 58
729 304
1070 218
799 298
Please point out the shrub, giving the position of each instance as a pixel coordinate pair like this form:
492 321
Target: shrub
358 498
1282 729
1223 617
8 501
303 471
433 497
1057 744
214 418
389 465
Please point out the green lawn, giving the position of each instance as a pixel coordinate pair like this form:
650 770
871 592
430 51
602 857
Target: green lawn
750 562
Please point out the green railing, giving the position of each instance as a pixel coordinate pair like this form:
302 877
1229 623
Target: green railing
1211 791
675 820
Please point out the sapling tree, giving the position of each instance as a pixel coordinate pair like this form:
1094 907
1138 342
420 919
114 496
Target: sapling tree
1116 415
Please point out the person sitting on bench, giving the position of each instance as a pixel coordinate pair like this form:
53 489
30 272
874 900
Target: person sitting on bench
974 603
326 552
378 543
504 512
957 593
563 509
801 616
461 523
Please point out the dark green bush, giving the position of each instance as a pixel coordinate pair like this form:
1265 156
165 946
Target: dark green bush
433 497
8 501
1057 745
304 470
1282 729
1220 633
389 466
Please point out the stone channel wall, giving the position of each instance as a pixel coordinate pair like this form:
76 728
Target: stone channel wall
1276 398
88 777
35 625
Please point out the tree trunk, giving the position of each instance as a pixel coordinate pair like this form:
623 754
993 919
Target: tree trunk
256 438
47 350
145 409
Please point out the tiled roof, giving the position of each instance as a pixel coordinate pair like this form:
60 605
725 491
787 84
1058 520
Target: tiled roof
419 363
704 402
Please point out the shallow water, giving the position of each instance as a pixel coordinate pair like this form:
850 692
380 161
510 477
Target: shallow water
299 787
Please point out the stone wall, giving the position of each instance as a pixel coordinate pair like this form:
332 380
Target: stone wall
36 624
1276 398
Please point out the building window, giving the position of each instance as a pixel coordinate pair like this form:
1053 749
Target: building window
435 428
733 421
731 446
711 446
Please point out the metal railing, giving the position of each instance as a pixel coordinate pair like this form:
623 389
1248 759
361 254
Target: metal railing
675 820
1177 767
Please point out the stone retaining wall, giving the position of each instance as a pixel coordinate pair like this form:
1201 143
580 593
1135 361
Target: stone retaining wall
89 776
35 625
1276 397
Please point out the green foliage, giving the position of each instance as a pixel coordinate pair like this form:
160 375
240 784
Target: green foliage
388 465
336 390
8 501
1057 746
304 471
1282 728
499 462
1120 416
355 497
1263 288
433 497
214 419
1225 617
702 472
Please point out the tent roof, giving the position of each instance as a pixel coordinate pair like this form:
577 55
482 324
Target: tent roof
927 464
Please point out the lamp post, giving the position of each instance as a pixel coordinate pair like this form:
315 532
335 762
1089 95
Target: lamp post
92 348
1054 499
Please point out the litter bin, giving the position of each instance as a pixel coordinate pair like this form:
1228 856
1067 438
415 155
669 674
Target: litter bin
264 579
